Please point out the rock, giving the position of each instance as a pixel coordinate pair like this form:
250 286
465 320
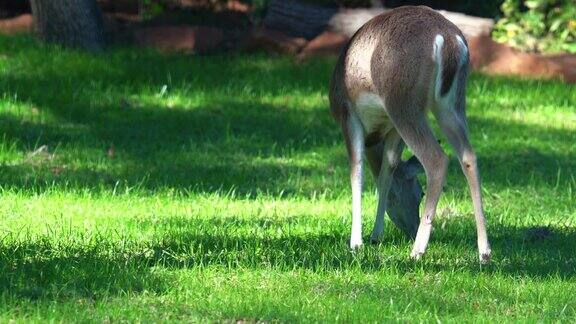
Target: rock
274 41
328 43
239 6
348 21
469 25
483 50
188 39
491 57
20 24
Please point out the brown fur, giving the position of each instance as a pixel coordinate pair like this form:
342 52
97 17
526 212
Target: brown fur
382 84
451 59
393 35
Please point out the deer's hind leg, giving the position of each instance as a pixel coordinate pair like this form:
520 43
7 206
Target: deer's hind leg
451 118
411 124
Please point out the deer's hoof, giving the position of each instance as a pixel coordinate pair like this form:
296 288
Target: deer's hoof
416 255
355 244
485 257
375 239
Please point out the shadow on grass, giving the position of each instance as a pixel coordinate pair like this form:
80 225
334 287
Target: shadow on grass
518 251
240 147
236 147
230 140
41 269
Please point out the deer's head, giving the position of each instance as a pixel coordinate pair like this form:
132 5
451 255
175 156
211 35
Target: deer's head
405 196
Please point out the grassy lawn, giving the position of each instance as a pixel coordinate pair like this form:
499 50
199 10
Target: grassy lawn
137 186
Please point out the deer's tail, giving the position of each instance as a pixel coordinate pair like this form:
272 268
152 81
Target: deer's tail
450 55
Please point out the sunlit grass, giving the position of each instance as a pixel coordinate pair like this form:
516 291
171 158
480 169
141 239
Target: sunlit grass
136 186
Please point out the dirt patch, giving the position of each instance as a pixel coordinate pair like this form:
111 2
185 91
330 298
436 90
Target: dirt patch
188 39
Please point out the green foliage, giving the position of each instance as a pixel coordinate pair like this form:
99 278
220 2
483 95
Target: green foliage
215 189
151 8
538 25
258 10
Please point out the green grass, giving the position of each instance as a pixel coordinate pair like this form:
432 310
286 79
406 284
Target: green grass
216 188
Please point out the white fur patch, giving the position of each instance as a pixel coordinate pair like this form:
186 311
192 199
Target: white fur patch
371 111
463 50
437 57
447 102
357 139
437 49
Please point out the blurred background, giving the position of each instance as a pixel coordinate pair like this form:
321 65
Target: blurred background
517 37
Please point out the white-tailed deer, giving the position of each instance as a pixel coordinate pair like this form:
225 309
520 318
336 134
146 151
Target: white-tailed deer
395 68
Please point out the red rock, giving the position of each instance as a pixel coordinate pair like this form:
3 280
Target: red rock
216 6
482 49
274 41
20 24
235 5
326 44
491 57
189 39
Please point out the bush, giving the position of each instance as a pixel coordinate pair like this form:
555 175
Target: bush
538 25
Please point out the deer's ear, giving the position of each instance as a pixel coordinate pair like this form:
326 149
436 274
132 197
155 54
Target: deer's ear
412 167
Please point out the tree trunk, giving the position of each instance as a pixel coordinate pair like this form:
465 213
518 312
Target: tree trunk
298 18
72 23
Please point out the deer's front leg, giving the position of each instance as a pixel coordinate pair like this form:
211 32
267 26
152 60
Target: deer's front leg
383 183
453 123
383 157
354 134
374 156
